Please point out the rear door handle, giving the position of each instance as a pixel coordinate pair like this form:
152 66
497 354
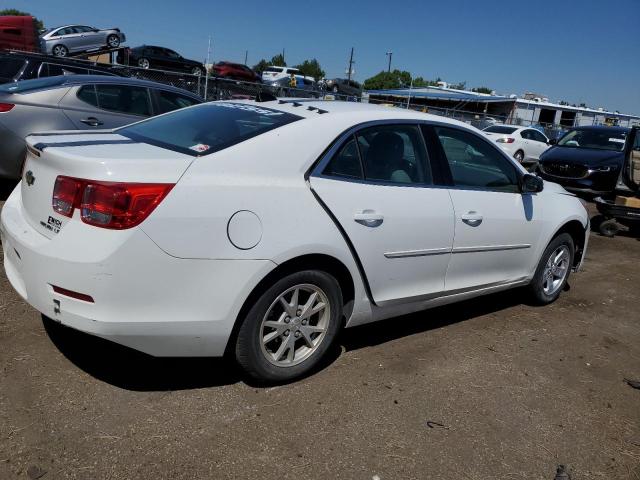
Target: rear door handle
369 218
473 219
92 122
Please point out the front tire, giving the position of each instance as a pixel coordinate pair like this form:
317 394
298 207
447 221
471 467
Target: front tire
291 327
113 41
144 63
553 270
196 71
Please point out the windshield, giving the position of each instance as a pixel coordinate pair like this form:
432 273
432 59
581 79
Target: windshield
595 139
500 129
207 128
35 84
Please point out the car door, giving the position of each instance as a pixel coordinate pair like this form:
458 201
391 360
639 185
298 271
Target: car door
525 142
92 38
106 105
377 184
496 226
72 39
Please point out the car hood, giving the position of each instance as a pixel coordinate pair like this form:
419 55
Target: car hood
582 156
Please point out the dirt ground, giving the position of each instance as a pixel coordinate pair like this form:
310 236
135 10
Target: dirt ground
487 389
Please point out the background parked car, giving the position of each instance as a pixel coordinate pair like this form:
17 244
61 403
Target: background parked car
273 73
61 41
305 86
343 86
235 71
15 66
160 58
586 159
19 32
77 102
522 143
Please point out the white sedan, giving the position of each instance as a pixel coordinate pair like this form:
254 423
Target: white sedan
522 143
262 229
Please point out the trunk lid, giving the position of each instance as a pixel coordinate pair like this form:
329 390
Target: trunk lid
104 156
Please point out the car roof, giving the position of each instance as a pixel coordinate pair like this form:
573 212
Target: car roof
82 79
357 112
603 128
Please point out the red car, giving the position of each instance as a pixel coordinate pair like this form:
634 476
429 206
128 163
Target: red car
235 71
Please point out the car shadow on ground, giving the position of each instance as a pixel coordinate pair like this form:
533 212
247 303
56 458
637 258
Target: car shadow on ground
129 369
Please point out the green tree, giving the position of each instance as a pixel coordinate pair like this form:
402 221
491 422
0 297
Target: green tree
482 90
421 82
18 13
260 66
278 60
386 80
311 68
458 86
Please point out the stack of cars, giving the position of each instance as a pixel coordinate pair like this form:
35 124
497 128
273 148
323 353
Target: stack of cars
61 41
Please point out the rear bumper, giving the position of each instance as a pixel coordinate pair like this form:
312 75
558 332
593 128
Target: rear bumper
143 298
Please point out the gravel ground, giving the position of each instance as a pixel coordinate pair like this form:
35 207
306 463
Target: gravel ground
512 392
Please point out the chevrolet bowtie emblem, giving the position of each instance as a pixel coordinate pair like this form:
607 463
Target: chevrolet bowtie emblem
29 178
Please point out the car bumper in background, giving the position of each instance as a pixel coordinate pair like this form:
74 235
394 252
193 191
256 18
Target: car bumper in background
142 297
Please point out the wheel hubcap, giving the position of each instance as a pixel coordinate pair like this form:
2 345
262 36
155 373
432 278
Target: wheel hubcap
556 270
295 325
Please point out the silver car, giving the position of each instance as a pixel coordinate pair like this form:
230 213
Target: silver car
77 102
61 41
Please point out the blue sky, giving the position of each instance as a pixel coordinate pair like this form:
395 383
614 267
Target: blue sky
573 50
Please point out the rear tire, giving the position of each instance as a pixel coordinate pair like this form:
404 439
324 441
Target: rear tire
60 51
197 71
280 339
144 63
609 228
553 270
519 156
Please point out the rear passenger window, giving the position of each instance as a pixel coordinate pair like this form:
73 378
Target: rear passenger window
124 99
169 101
346 163
394 154
88 95
475 163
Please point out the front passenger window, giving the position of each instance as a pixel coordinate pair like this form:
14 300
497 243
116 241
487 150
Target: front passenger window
475 163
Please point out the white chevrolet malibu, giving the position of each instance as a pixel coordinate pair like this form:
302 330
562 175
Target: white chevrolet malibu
261 229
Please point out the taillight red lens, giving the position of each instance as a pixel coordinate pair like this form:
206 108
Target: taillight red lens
5 107
108 204
66 194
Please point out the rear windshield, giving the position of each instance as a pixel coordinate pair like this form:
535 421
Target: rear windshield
500 129
274 69
9 67
207 128
35 84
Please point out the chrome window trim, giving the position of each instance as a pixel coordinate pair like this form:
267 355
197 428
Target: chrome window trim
318 167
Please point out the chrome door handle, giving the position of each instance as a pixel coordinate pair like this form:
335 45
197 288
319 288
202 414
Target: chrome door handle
368 218
473 219
92 121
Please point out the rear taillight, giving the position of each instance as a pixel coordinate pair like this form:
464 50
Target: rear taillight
506 140
5 107
111 205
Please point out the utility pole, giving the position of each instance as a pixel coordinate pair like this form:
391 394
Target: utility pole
389 54
246 54
206 70
351 62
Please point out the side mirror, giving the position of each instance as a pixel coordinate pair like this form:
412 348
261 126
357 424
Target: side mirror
531 184
552 141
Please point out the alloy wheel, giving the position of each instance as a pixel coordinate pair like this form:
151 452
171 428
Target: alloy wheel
556 270
59 51
143 63
295 325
